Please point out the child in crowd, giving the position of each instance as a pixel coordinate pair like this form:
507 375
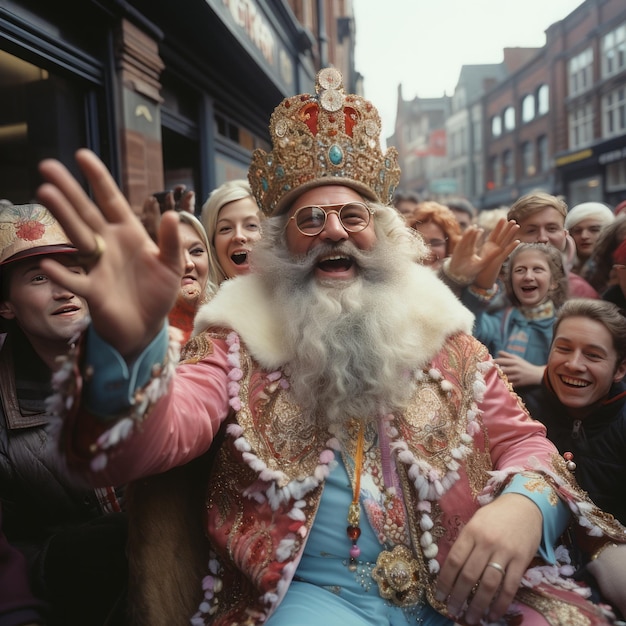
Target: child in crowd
536 287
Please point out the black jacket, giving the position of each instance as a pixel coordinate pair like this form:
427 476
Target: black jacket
598 443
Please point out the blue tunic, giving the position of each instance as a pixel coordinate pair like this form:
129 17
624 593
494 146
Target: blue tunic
324 591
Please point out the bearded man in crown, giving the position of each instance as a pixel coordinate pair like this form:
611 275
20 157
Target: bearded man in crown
370 464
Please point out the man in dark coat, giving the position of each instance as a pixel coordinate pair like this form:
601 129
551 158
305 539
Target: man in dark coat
72 536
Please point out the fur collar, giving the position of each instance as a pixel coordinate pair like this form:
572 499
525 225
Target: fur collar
243 305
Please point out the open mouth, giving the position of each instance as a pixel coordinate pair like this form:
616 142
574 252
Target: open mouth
574 382
335 263
66 309
239 258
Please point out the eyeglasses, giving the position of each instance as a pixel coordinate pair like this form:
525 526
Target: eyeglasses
353 217
436 243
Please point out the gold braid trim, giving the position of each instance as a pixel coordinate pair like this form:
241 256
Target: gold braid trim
555 611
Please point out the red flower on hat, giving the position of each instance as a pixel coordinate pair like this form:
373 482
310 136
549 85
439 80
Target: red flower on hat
31 230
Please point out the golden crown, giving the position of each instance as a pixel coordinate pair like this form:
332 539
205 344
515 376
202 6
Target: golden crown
330 138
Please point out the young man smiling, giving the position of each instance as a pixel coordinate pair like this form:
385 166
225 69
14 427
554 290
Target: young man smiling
583 398
582 402
75 554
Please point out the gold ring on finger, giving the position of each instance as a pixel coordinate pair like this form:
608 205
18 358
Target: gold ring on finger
89 259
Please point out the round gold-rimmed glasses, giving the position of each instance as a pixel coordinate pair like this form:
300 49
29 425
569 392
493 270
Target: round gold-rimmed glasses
353 217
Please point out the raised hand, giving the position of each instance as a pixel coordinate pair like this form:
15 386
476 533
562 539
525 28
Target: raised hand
471 262
178 199
132 285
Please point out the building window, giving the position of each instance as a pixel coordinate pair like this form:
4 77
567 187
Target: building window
580 72
542 154
477 130
616 176
614 113
496 125
528 159
42 113
528 108
508 173
495 174
543 100
509 118
581 126
614 51
478 175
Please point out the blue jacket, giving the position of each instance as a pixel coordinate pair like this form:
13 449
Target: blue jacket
509 329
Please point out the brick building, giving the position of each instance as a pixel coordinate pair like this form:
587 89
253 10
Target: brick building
550 118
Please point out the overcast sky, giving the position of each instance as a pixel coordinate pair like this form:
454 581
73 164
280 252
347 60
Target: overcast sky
423 43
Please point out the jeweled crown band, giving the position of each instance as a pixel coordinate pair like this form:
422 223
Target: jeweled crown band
323 139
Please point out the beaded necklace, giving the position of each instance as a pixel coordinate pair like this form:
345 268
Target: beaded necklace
397 571
354 511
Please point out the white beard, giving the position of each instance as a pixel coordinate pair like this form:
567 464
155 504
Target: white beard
353 356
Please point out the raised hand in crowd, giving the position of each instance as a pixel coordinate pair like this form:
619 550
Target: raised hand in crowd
178 199
478 263
132 283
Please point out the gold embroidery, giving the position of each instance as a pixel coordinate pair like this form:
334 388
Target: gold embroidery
196 349
277 430
555 611
539 484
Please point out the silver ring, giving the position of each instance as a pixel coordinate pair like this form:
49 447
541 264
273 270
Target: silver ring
496 566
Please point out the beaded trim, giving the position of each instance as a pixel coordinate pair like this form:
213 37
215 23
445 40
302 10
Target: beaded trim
143 399
295 491
67 392
429 484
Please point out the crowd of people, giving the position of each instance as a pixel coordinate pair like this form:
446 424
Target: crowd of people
319 401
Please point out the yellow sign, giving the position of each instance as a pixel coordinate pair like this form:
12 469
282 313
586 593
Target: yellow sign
575 156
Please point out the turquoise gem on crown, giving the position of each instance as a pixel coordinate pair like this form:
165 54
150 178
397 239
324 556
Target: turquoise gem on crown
335 154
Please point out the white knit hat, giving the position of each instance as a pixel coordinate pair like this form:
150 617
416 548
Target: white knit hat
587 210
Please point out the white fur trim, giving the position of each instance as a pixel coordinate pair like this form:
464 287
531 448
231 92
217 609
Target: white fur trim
432 310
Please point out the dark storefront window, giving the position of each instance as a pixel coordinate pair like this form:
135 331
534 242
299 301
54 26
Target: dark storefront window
180 136
41 115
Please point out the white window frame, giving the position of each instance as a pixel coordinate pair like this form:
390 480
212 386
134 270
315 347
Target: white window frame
543 99
509 118
580 126
496 125
528 108
614 113
614 51
580 72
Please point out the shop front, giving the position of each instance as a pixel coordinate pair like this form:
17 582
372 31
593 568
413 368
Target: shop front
164 92
596 173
